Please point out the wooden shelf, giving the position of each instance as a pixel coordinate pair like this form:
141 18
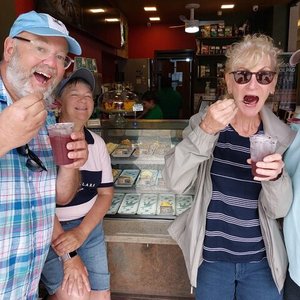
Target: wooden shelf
219 38
211 55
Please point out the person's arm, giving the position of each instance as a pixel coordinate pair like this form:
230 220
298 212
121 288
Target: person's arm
278 196
21 121
98 211
198 143
68 177
74 238
141 115
75 273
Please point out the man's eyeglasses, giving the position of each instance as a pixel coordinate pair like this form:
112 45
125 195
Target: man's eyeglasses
262 77
33 163
42 52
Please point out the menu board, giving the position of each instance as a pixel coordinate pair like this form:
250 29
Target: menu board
286 89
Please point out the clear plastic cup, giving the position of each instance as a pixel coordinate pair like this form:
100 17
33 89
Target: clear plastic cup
261 145
60 136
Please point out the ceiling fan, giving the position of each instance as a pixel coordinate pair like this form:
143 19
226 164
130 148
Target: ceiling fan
191 25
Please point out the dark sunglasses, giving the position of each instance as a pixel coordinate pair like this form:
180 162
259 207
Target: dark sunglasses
33 163
262 77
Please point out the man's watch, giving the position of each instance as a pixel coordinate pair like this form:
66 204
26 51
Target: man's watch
67 256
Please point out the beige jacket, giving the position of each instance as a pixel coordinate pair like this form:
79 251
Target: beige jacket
188 165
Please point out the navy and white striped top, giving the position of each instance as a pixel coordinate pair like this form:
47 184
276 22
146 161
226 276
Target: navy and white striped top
233 231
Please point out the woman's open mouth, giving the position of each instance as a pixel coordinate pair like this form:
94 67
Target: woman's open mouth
250 100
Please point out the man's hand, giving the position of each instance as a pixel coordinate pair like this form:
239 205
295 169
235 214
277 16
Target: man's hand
75 280
68 178
21 121
218 116
78 150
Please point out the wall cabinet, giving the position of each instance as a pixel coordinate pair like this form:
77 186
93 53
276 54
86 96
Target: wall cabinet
210 65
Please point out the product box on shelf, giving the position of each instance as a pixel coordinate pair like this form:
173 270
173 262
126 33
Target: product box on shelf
214 30
220 32
228 31
212 50
205 31
204 49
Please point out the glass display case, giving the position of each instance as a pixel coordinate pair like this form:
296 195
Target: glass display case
139 246
137 152
118 102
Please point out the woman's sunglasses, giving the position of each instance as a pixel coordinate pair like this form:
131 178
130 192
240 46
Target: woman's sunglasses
262 77
33 163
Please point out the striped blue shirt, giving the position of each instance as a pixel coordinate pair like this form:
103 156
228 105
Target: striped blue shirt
233 230
27 207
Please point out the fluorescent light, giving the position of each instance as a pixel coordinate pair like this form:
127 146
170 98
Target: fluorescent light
154 18
96 10
112 20
227 6
150 8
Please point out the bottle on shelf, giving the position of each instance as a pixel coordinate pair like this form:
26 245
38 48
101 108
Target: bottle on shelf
207 88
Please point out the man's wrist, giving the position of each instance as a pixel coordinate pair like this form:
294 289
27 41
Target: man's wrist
68 256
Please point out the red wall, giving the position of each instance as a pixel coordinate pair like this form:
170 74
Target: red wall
144 40
23 6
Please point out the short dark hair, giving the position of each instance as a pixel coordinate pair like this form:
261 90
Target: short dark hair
149 95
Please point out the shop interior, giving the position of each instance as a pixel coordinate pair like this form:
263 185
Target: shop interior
130 57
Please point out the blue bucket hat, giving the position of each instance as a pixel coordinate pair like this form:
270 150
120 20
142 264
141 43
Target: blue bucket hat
81 73
44 25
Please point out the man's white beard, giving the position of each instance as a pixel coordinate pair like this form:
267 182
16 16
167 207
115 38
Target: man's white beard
19 79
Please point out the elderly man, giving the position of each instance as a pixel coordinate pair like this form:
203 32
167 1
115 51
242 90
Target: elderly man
34 62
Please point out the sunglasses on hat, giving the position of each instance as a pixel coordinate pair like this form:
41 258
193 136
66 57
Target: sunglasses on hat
262 77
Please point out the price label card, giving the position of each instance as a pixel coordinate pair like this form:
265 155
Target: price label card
138 107
93 123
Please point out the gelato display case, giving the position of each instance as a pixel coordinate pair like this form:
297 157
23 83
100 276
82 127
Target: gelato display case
143 258
137 152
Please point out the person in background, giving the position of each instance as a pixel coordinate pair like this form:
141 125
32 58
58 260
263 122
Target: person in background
78 228
230 237
291 224
169 100
34 62
151 108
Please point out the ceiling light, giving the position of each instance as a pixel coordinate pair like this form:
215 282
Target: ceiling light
227 6
96 10
154 18
150 8
191 26
111 20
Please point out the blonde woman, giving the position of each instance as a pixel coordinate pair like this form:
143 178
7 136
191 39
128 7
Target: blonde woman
230 237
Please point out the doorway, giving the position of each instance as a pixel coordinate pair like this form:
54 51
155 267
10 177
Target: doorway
178 66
